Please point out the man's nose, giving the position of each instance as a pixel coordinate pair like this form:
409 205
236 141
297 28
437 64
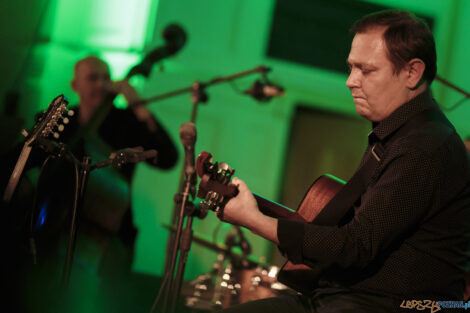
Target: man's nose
103 83
353 79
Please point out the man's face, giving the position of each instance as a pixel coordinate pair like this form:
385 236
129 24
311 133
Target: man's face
376 90
92 82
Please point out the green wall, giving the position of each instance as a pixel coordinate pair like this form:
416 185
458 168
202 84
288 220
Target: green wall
224 37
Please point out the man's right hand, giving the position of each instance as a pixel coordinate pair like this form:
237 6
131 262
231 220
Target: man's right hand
243 210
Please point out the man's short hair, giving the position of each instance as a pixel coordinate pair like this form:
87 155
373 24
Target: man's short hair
406 36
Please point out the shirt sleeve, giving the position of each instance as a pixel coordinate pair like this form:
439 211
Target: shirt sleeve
290 235
391 207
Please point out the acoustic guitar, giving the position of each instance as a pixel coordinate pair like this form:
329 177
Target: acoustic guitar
216 189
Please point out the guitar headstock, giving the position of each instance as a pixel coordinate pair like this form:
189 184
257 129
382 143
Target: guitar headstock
215 186
50 120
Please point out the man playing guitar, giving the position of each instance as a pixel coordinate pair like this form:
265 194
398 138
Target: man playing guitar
405 222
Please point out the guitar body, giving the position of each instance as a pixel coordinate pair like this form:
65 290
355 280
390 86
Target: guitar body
301 277
216 189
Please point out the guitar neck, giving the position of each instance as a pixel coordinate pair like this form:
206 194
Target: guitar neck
16 174
277 210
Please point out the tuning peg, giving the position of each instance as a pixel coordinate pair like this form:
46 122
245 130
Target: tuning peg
224 173
56 135
224 166
65 120
46 131
70 112
203 205
52 123
202 211
60 127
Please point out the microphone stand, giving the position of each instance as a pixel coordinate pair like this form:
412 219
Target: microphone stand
83 169
179 243
198 94
459 90
116 159
259 69
449 84
183 241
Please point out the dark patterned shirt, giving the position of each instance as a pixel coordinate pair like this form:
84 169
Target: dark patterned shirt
408 236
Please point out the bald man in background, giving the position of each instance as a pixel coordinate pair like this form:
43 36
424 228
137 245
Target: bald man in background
99 129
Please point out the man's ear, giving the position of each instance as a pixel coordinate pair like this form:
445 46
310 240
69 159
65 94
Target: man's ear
415 70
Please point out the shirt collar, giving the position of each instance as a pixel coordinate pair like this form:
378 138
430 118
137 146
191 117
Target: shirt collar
384 128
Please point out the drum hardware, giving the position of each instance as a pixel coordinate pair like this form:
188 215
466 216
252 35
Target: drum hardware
234 277
267 277
230 281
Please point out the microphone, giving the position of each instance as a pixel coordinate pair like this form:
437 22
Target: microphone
264 91
135 157
128 155
188 139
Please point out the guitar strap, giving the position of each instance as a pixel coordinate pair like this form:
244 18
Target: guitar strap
345 199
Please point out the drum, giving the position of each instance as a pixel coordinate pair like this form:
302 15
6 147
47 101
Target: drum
230 286
259 283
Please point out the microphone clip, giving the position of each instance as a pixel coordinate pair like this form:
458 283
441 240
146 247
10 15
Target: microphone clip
127 155
263 91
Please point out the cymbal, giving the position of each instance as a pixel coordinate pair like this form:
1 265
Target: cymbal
221 248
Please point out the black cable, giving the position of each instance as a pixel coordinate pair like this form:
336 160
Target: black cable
235 87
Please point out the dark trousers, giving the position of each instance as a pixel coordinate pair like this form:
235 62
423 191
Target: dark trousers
344 302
